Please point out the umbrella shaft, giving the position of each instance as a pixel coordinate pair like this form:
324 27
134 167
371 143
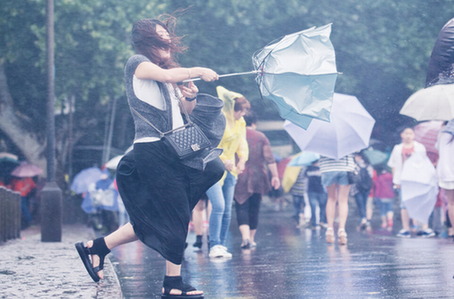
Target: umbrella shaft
225 75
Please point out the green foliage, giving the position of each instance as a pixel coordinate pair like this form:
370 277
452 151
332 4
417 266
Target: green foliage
382 47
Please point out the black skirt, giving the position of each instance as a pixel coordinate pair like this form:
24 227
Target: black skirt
159 194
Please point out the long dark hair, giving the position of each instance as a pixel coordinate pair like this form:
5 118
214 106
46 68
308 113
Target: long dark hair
147 41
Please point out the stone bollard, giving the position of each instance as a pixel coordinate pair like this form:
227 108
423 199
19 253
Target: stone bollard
8 216
17 215
51 213
2 214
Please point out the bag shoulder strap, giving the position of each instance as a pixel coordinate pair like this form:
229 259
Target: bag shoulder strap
162 134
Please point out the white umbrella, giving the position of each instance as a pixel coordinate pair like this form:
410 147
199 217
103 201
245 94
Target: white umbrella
348 132
419 187
113 163
433 103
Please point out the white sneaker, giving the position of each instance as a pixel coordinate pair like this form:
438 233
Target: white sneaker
219 251
226 253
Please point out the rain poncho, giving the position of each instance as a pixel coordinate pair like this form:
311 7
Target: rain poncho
234 139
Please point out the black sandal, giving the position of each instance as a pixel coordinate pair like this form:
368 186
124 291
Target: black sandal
100 249
176 282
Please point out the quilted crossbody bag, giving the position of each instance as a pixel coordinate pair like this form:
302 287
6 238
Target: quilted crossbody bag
184 141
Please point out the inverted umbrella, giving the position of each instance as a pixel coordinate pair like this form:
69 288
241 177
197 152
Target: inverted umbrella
298 73
25 170
348 132
427 133
432 103
83 179
419 187
304 159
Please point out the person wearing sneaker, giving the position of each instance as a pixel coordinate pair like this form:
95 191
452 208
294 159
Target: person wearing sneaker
298 191
445 166
154 184
336 180
316 194
400 153
254 181
233 143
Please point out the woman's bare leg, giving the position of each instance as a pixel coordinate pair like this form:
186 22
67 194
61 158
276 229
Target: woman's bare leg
197 217
331 204
343 191
450 197
123 235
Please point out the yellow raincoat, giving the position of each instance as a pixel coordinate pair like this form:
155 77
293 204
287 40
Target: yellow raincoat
234 139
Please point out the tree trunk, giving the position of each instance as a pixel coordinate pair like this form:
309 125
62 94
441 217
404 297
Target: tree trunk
14 127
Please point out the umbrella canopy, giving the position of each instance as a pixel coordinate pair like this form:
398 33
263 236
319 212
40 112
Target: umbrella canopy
419 187
8 162
25 170
299 73
83 179
433 103
304 159
348 132
440 70
427 133
375 157
113 163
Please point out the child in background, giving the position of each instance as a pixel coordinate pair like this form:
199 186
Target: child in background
384 191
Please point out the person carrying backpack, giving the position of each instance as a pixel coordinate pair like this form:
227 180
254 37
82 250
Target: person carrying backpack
362 184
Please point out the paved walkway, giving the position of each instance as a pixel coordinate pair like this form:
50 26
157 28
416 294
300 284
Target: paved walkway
30 268
297 263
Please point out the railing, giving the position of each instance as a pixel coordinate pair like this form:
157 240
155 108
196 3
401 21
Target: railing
10 214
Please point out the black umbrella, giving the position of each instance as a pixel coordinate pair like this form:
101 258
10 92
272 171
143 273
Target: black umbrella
441 64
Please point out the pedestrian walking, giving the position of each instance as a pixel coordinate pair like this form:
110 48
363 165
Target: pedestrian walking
335 178
317 195
253 182
221 194
445 165
384 192
362 186
399 155
158 188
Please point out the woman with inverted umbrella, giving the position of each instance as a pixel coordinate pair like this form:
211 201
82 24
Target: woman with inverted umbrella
159 189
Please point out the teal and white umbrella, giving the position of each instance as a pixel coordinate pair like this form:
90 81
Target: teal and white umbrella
297 72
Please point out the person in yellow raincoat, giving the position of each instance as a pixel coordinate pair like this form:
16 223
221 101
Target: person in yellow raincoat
221 194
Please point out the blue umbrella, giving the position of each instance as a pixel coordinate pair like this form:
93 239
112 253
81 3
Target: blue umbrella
299 73
84 178
304 159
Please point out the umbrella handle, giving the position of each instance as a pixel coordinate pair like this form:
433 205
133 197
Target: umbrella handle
225 75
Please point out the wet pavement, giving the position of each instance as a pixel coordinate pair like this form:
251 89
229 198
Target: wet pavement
30 268
298 263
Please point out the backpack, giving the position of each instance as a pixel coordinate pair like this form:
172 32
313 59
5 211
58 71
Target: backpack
363 180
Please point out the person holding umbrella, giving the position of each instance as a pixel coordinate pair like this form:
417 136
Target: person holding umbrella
335 177
445 166
159 189
399 155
